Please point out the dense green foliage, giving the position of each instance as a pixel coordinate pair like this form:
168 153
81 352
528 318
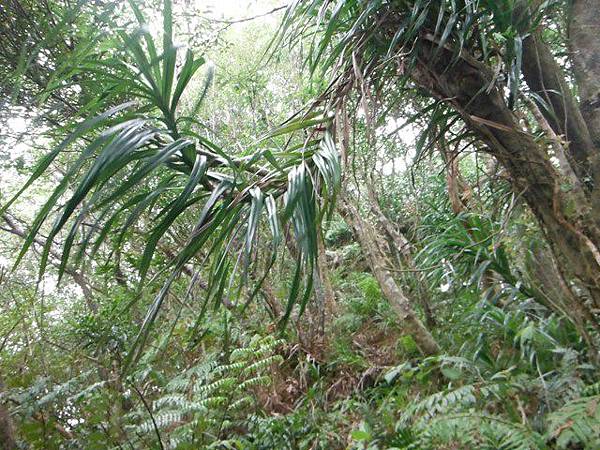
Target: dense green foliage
235 244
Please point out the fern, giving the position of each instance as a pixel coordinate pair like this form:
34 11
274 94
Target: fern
454 418
42 394
209 396
165 418
475 430
448 401
592 389
577 423
466 416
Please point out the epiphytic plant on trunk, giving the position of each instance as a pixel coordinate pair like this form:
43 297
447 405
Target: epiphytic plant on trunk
479 63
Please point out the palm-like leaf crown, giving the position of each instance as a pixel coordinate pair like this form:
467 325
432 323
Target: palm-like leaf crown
141 154
379 46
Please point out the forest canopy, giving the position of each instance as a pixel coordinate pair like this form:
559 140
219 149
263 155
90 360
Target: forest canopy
325 224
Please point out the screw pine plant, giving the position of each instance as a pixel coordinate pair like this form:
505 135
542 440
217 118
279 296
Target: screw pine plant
174 187
469 67
145 156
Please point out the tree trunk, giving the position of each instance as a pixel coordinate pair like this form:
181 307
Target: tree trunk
324 293
552 286
390 289
547 278
545 77
569 226
7 434
584 46
402 252
328 291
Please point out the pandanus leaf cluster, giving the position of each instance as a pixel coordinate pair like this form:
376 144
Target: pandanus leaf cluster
142 157
379 43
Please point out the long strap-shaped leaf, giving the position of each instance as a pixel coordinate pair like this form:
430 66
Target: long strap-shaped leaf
116 155
174 211
150 165
45 162
223 216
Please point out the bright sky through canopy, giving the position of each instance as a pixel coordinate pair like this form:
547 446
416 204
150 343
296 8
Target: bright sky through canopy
236 9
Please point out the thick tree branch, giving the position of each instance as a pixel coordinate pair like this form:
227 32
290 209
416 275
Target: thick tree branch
466 85
545 78
391 291
584 46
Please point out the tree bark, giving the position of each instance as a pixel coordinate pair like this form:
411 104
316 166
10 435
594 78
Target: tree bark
7 433
390 289
553 287
545 77
570 228
584 46
328 291
402 252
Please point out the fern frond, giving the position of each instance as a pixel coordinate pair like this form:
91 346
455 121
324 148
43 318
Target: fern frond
263 363
178 400
474 430
263 380
163 419
592 389
206 389
576 424
210 395
449 401
239 404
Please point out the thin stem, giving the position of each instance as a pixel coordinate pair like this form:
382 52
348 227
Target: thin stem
154 425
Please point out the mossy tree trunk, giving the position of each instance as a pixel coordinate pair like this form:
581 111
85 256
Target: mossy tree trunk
399 302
